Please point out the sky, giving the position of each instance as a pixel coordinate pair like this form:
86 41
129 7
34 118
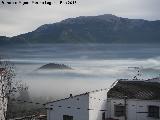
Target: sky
18 19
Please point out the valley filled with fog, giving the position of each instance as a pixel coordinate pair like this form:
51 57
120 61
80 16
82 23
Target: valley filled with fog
94 66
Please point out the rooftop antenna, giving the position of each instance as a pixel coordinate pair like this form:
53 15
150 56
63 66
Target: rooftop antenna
138 74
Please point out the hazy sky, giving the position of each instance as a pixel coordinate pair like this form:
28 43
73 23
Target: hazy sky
17 19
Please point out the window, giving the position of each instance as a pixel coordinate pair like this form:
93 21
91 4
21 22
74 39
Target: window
67 117
153 111
119 110
103 116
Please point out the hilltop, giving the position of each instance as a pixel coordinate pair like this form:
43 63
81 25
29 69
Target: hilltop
92 29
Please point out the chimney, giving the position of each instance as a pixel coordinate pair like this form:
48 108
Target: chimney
70 95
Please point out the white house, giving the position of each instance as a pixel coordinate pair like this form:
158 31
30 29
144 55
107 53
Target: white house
87 106
126 100
134 100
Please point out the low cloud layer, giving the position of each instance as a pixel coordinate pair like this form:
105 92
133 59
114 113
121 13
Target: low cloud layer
17 19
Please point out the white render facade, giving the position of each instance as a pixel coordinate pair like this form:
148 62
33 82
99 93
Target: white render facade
135 109
95 106
88 106
69 107
127 100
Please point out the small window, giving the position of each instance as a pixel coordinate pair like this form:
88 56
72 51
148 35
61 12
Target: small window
119 110
103 116
153 111
67 117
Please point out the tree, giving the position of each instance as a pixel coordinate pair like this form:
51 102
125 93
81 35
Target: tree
7 85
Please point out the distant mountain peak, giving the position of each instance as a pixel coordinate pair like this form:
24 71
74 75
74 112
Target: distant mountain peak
105 17
108 16
105 28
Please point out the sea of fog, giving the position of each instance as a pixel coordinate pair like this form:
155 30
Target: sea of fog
95 66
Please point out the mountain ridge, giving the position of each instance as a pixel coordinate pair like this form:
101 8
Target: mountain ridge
105 28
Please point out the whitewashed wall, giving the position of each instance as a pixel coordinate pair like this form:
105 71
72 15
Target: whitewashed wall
74 103
141 106
97 104
110 106
91 105
133 106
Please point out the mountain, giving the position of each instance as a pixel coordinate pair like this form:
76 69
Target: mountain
94 29
55 66
4 40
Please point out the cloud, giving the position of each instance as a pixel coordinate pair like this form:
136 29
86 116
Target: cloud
16 19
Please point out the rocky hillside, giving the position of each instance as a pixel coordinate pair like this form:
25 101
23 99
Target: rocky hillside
94 29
